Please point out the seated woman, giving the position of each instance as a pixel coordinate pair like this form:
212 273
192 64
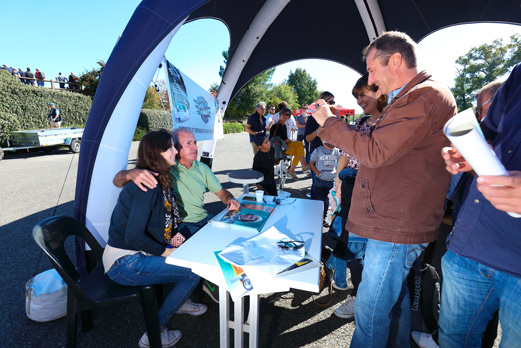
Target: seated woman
296 149
140 237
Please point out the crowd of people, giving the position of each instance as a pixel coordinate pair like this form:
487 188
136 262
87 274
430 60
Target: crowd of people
29 78
391 171
393 183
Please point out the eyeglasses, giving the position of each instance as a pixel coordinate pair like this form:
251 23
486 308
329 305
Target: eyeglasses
479 109
331 102
290 244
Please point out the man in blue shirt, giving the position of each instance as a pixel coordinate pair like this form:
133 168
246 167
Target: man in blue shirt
256 125
482 267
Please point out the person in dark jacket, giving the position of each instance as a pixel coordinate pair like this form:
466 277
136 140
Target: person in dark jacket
481 268
143 232
30 75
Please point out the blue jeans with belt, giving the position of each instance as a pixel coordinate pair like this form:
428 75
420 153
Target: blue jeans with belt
140 269
471 293
382 305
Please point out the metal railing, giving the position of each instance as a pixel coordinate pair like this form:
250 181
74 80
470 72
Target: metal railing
68 86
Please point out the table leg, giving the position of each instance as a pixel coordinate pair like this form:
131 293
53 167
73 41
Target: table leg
254 321
238 323
224 316
245 189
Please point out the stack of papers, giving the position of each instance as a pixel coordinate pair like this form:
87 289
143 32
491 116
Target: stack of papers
263 261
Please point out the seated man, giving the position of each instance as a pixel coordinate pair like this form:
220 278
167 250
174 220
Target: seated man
191 180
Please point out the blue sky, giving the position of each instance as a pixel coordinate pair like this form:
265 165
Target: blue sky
64 36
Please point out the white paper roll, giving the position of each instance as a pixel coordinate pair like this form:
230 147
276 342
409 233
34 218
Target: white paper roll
464 132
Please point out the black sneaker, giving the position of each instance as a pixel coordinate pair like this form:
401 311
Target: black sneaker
211 290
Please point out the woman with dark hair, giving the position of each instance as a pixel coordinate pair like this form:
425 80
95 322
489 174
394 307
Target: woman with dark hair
350 248
296 149
144 230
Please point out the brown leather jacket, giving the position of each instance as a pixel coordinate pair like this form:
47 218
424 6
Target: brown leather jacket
401 185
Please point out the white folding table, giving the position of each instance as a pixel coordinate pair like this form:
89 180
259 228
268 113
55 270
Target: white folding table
300 219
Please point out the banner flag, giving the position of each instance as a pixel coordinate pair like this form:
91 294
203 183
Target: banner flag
192 106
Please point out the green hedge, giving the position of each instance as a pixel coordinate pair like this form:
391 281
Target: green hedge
30 104
233 127
154 119
8 124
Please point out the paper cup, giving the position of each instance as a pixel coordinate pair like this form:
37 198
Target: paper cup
259 194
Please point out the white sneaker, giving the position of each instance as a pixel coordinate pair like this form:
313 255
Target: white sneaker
192 308
346 309
168 338
423 339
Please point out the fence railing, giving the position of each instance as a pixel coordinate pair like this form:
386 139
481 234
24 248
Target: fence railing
67 86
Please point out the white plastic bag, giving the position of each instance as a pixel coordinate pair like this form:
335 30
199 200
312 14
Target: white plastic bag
46 297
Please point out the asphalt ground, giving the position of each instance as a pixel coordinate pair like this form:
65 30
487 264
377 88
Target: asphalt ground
38 185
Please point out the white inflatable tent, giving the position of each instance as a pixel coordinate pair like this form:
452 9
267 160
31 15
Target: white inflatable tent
263 34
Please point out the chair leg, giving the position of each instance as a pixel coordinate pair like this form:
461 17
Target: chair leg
159 294
150 312
86 321
72 320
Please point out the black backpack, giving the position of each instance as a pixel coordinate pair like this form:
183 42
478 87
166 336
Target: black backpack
424 287
42 75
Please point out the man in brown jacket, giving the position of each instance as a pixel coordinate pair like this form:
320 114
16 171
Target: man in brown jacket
398 199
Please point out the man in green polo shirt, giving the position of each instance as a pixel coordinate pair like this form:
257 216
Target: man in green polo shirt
191 180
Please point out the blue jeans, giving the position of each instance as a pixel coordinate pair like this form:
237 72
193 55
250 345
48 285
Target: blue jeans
355 251
139 269
195 226
382 305
320 190
471 294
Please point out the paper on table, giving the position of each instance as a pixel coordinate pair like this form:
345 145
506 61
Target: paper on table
262 252
237 282
464 132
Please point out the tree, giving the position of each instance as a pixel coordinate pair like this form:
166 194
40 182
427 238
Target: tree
90 79
214 89
304 86
282 92
225 60
152 100
256 90
482 65
162 88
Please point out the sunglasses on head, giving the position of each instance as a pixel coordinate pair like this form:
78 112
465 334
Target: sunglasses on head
479 109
